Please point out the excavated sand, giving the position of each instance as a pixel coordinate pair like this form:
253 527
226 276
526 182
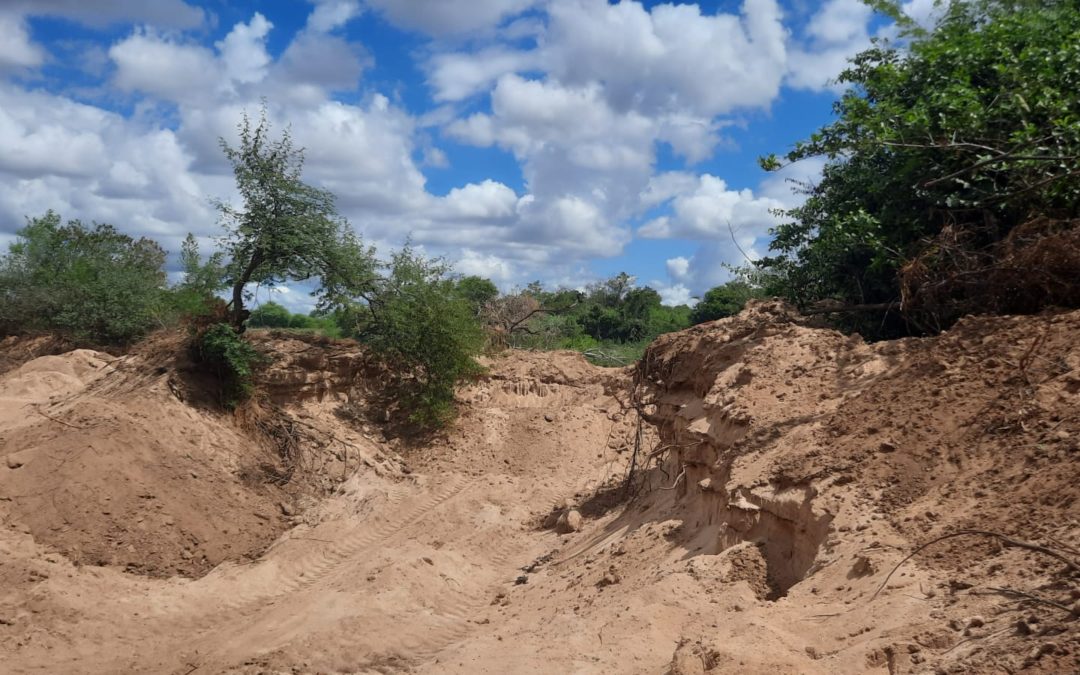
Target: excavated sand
782 471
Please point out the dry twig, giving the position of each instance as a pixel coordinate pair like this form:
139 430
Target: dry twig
984 533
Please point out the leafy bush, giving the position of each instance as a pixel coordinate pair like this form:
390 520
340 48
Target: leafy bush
478 292
420 324
231 358
91 283
270 315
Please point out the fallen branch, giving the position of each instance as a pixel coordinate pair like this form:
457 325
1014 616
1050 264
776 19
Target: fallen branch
983 533
976 637
875 307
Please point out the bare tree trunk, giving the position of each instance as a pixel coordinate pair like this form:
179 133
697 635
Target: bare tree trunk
239 314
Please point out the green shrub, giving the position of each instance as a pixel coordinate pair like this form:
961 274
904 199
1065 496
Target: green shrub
91 283
273 315
419 323
231 358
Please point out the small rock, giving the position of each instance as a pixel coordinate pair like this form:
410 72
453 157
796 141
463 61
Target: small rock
887 446
610 578
13 461
705 484
548 417
975 622
1022 627
568 522
428 560
521 580
287 509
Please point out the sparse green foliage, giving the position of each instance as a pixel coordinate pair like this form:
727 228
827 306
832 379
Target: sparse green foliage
92 283
286 229
225 353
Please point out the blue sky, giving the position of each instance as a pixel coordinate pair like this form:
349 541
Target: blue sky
560 140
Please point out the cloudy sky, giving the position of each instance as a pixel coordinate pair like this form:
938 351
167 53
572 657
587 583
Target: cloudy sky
560 140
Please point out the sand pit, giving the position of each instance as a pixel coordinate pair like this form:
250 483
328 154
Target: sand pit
782 472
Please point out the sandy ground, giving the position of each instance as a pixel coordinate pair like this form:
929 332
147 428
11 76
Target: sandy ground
782 471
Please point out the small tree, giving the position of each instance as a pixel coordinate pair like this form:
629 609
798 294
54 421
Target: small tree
270 315
196 294
287 229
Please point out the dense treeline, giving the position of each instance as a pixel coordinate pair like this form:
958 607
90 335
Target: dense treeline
953 180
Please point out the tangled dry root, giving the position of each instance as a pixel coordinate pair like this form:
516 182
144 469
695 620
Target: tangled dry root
1037 265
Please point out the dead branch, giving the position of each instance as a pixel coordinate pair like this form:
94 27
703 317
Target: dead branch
597 354
633 458
976 637
539 310
983 533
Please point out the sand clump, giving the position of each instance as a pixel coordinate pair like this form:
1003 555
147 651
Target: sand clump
781 471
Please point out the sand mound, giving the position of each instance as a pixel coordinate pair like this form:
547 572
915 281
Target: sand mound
107 461
780 472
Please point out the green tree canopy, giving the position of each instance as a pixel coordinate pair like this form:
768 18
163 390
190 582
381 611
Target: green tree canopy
723 301
969 129
270 315
477 291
